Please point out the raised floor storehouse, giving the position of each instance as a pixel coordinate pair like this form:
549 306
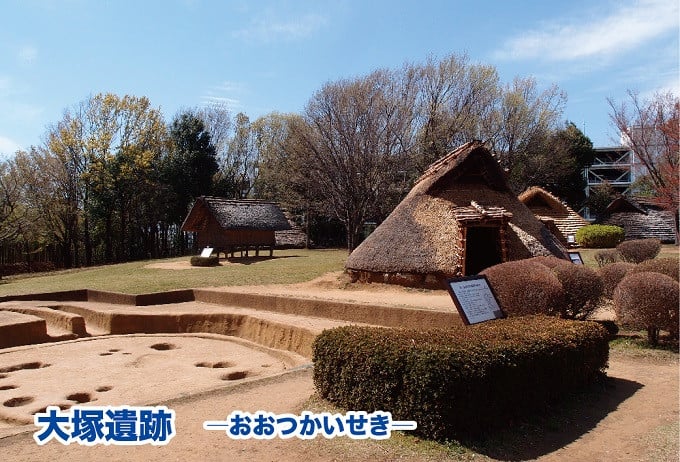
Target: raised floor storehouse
235 225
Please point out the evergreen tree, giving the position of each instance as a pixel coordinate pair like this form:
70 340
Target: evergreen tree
190 166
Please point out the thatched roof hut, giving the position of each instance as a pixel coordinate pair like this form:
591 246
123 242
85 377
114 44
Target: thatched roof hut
459 218
558 217
640 219
232 225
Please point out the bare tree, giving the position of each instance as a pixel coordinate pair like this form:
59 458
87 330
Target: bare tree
455 101
524 113
62 159
51 197
651 129
238 167
276 174
218 123
353 135
11 213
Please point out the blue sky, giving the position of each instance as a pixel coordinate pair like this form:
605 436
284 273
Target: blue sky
264 56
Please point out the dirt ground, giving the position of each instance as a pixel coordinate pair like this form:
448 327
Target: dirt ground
634 419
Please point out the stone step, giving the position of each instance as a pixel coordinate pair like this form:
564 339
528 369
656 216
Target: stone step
59 322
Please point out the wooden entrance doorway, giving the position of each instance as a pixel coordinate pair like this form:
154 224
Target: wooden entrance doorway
483 248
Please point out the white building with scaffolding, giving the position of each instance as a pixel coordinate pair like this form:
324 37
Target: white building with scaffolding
615 165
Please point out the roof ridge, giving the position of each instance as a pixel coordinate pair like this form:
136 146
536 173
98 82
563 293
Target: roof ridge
237 201
446 159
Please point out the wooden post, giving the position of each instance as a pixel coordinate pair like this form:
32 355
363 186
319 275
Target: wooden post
463 240
504 243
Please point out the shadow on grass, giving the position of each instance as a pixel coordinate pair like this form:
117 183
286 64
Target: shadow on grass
561 423
251 260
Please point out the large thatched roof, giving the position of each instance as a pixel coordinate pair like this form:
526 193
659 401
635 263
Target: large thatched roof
244 214
640 219
549 208
423 233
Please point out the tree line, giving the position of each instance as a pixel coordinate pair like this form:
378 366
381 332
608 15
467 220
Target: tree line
112 181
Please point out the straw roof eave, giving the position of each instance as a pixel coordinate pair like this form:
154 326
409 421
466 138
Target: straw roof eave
233 215
534 192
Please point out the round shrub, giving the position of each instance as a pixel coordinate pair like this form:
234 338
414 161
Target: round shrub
648 301
548 261
606 257
612 274
639 250
212 260
582 288
667 266
599 236
525 287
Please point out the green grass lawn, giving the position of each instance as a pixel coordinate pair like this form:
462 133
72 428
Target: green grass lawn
588 255
287 266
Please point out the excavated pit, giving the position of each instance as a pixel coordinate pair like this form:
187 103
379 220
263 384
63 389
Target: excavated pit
143 349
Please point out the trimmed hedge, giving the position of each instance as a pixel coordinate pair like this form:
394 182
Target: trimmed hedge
526 287
612 274
599 236
461 380
549 261
583 289
212 260
668 266
639 250
648 301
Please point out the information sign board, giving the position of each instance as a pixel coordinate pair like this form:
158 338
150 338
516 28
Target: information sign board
575 257
474 299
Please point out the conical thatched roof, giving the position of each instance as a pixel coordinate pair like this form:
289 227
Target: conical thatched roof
423 234
549 208
230 214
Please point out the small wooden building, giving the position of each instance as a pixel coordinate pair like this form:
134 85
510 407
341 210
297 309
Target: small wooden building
230 226
558 217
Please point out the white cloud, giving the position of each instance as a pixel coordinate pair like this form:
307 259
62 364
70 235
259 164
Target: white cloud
229 87
28 54
670 85
231 103
611 34
8 146
271 28
227 94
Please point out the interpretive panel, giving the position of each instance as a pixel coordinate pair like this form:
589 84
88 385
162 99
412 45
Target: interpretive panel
575 257
207 252
474 299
